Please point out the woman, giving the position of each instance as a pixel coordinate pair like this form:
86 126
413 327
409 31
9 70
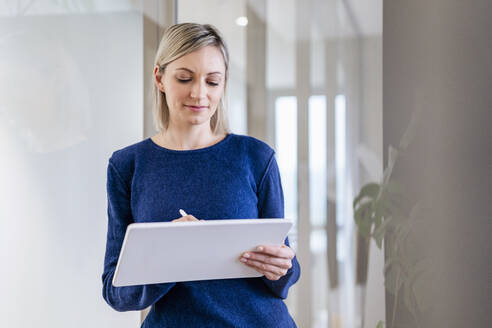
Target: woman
194 164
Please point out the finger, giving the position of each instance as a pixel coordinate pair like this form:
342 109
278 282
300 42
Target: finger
277 261
186 218
267 274
190 218
271 276
265 268
282 251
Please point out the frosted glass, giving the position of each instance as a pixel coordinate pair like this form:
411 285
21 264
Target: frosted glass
71 94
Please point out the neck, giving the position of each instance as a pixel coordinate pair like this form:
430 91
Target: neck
188 138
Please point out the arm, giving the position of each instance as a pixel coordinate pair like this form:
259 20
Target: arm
119 217
271 205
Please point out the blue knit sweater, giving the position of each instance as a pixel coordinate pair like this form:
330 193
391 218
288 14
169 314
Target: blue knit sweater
237 178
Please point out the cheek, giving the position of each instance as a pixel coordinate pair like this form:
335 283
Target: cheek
175 95
215 95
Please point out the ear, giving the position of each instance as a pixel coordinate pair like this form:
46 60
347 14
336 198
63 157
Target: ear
159 79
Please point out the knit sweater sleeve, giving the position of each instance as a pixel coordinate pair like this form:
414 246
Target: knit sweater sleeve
271 205
119 217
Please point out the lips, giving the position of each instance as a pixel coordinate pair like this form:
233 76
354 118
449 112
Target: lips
196 108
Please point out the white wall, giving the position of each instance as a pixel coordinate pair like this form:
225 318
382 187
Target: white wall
71 93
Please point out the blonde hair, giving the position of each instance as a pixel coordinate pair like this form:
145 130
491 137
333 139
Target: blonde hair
179 40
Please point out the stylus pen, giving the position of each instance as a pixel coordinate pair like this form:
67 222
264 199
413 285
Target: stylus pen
183 213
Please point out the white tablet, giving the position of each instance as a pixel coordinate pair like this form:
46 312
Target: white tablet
200 250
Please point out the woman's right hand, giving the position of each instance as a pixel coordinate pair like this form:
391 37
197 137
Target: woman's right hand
186 218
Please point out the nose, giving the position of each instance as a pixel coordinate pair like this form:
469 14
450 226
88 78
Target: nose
198 90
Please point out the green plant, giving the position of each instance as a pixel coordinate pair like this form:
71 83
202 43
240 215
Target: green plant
387 213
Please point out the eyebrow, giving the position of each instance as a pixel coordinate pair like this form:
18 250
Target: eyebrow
189 70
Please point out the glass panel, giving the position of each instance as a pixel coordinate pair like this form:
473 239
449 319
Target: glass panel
340 165
281 44
317 160
286 148
344 214
233 27
71 81
65 107
343 66
318 203
320 278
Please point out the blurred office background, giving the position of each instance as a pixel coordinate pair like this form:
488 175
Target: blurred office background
306 77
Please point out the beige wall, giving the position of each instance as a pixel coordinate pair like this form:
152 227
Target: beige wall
437 61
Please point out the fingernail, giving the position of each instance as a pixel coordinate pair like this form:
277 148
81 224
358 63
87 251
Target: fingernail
243 259
259 248
246 255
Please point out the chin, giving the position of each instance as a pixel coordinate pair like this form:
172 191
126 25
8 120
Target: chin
202 118
199 120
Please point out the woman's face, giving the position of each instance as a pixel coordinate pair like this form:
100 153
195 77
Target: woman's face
193 85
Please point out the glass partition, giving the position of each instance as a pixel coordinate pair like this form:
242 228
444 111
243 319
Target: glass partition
305 77
323 58
71 75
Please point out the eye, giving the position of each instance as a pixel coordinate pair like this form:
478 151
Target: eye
183 80
213 83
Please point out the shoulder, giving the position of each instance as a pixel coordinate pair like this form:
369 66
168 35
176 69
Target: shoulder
123 160
255 155
253 148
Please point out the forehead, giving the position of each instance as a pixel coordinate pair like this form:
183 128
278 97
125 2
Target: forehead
204 60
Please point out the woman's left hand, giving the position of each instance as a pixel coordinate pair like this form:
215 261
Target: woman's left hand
271 260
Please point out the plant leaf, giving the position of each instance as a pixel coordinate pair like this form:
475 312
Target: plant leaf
370 190
361 212
362 217
380 231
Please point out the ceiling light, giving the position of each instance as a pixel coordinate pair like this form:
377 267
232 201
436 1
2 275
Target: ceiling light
242 21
